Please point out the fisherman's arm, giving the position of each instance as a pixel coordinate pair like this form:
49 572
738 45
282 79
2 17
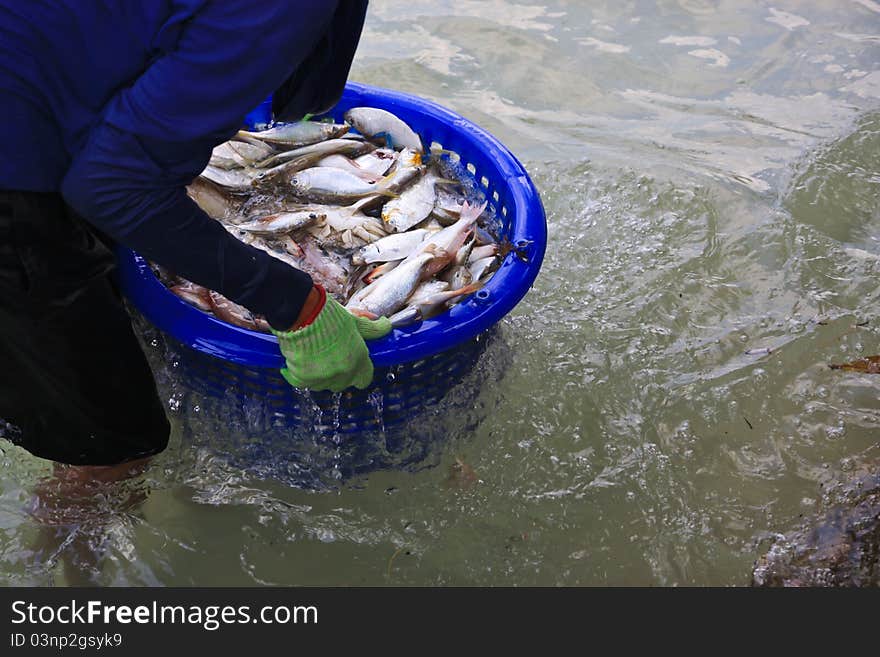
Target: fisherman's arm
157 135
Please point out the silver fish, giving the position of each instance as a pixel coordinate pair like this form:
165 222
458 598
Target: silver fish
387 295
458 276
334 186
238 154
481 268
437 303
346 226
282 223
380 270
413 206
393 247
234 180
408 315
214 200
314 152
300 133
378 162
427 289
464 253
451 239
343 163
485 251
379 124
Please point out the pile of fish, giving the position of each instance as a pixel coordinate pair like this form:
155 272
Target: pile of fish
387 229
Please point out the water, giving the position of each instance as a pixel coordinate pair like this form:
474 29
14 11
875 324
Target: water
711 172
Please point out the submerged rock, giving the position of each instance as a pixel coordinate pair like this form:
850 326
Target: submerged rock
841 548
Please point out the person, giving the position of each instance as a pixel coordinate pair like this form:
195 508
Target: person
109 109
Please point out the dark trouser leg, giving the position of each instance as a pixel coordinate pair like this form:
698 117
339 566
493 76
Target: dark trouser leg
72 375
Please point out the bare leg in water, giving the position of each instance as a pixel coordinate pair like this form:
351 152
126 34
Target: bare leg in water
74 506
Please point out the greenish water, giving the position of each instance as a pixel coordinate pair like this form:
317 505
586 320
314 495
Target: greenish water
711 173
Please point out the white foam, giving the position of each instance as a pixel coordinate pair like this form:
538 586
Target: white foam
786 20
604 46
720 59
689 40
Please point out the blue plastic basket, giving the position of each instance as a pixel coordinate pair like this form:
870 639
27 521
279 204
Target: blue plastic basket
414 364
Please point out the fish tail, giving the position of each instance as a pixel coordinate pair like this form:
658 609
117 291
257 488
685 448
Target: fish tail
470 213
467 289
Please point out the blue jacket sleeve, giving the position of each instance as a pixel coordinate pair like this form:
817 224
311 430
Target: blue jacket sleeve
156 136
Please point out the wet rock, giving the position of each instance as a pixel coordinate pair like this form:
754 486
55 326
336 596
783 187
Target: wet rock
841 548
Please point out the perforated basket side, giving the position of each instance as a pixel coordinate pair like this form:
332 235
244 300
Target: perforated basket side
403 389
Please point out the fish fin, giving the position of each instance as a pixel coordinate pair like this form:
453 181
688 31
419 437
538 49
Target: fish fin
471 213
467 289
250 162
361 203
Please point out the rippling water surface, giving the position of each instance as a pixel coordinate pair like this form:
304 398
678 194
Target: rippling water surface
660 405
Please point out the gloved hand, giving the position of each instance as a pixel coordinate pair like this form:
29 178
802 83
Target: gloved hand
330 352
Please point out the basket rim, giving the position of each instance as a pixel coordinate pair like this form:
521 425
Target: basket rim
504 290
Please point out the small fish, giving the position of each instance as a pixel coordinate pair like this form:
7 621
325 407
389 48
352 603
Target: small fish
194 295
346 226
216 202
347 164
282 223
233 180
232 313
408 315
439 302
378 124
321 266
314 152
464 253
300 133
867 365
413 206
449 240
480 252
458 276
481 268
378 162
334 186
427 289
450 201
387 295
238 154
379 271
394 247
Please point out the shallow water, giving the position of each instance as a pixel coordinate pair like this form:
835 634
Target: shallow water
660 405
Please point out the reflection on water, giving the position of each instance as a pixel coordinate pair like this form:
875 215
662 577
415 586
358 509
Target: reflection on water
659 407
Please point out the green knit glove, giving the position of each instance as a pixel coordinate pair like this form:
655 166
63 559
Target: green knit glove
330 353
